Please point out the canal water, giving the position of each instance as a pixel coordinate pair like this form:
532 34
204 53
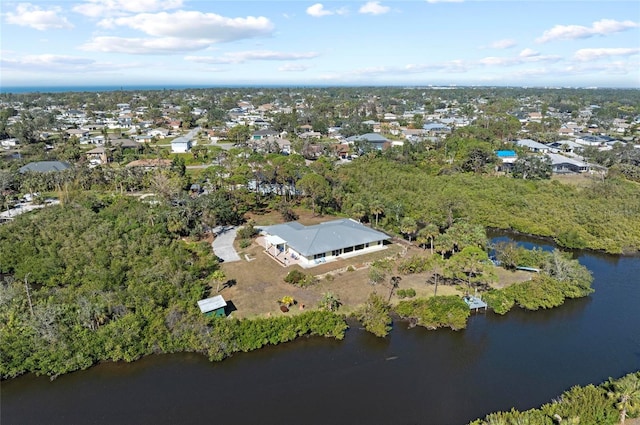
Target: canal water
414 376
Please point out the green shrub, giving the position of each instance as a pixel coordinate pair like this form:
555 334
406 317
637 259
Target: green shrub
247 231
406 293
436 312
499 300
415 264
374 315
297 278
244 243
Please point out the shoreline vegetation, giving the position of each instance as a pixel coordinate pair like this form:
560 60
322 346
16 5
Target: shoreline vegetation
109 275
610 403
114 283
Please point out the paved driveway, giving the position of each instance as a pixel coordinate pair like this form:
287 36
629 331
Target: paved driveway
223 243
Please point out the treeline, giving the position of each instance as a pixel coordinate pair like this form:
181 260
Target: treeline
602 216
606 404
85 284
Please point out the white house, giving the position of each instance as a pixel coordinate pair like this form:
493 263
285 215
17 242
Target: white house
533 146
328 241
180 145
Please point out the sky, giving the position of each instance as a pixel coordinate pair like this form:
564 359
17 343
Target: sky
542 43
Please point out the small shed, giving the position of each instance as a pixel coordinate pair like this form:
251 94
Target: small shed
213 307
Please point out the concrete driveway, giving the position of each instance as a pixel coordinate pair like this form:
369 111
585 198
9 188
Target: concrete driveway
223 243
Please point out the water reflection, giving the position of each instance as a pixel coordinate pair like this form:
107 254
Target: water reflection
522 360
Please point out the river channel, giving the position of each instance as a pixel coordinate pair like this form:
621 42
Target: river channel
414 376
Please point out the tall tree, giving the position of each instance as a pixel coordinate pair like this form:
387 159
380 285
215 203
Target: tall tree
408 227
376 208
316 188
428 233
532 167
626 392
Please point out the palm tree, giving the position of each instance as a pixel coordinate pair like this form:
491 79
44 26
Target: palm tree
394 282
429 233
408 226
329 302
626 392
218 277
376 207
443 244
358 211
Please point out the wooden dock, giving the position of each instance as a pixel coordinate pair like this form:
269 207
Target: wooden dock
474 303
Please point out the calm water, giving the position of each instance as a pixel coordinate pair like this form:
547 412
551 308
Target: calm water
415 376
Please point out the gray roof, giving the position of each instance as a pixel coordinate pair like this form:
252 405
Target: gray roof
180 141
532 144
324 237
557 159
44 167
369 137
211 304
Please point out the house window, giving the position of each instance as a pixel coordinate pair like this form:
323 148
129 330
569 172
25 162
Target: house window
336 252
316 256
359 247
348 249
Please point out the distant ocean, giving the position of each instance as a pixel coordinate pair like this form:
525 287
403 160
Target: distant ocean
95 89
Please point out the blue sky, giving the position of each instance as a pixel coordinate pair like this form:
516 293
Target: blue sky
195 42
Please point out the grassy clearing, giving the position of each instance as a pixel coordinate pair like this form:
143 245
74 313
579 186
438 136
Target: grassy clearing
260 279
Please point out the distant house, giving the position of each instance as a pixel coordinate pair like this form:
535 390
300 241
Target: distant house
78 132
566 145
263 134
561 164
533 146
44 167
310 135
506 159
180 145
311 245
376 140
436 128
414 135
99 155
126 144
160 133
214 306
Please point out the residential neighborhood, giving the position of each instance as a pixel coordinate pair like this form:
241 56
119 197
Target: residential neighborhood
142 125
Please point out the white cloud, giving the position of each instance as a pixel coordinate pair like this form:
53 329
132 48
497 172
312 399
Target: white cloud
454 66
598 28
526 56
374 8
256 55
609 68
102 8
317 11
293 67
595 54
503 44
28 15
144 46
529 53
59 64
192 25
